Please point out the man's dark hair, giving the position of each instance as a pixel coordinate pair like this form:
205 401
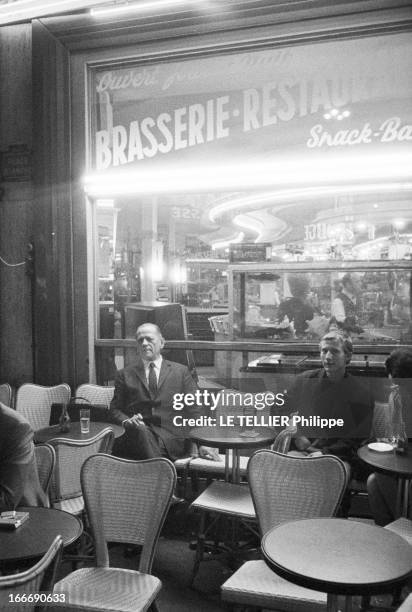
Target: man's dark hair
399 363
299 285
346 279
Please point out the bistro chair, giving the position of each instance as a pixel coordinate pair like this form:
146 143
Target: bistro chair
198 466
209 468
216 469
407 605
379 430
127 502
34 402
38 580
6 395
46 461
65 490
285 488
230 500
96 395
403 527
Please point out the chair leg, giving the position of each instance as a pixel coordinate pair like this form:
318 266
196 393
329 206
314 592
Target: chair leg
397 597
184 482
83 550
195 483
332 603
84 547
348 603
200 547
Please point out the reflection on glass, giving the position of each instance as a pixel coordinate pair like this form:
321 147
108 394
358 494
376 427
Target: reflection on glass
172 249
373 306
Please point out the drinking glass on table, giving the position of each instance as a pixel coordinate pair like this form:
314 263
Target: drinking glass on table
84 420
399 438
383 425
396 436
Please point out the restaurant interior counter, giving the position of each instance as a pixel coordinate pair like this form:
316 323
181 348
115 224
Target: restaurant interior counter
291 306
366 365
299 302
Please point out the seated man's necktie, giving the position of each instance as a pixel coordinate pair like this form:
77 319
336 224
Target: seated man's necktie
152 380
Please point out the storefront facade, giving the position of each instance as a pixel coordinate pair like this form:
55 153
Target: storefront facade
160 151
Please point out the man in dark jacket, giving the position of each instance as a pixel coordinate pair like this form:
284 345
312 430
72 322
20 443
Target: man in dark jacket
296 308
19 480
143 403
332 393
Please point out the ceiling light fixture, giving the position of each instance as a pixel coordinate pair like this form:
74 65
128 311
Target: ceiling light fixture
249 223
221 244
325 170
305 193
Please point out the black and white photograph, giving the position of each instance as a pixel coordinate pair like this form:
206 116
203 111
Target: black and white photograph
206 305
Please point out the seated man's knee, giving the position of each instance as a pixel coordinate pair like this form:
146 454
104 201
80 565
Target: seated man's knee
372 484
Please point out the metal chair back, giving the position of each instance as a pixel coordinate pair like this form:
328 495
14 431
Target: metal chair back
286 488
283 440
407 605
39 579
6 395
95 394
127 502
34 402
45 460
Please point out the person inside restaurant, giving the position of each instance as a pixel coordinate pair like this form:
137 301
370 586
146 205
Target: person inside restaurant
296 308
143 403
346 305
19 480
382 488
332 393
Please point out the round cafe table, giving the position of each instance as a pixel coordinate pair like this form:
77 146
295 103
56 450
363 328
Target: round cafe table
338 556
392 464
49 433
33 538
231 438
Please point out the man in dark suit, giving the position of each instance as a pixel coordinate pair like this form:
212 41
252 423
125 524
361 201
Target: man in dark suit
19 480
143 403
332 393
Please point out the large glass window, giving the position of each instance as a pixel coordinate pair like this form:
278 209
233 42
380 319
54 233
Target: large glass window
305 149
296 302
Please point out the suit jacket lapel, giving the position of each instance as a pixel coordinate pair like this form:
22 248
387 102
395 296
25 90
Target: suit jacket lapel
142 375
164 373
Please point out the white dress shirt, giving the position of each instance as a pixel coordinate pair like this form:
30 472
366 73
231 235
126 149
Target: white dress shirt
157 365
338 309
